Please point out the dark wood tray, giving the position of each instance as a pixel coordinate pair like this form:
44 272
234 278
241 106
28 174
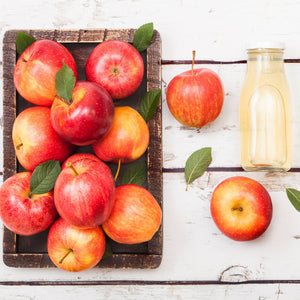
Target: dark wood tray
20 251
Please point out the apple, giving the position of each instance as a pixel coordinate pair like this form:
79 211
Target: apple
195 97
136 215
21 211
87 118
35 70
127 139
241 208
75 249
78 156
117 66
84 193
34 139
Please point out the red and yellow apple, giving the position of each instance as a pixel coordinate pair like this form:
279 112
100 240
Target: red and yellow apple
127 139
195 98
74 249
87 118
241 208
84 193
117 66
23 212
34 74
34 139
136 215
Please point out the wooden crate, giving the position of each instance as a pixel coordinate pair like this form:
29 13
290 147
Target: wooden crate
19 251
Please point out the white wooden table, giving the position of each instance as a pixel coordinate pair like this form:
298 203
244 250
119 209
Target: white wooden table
198 261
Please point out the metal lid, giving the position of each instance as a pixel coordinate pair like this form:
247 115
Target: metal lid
265 45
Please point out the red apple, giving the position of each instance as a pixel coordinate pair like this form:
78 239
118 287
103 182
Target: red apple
241 208
74 249
78 156
195 97
87 118
21 211
83 193
35 140
136 215
34 74
127 139
117 66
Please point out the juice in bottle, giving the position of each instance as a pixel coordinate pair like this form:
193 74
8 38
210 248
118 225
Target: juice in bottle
265 112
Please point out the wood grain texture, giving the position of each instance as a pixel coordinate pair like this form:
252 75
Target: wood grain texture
194 252
9 105
155 292
81 43
128 261
222 134
155 183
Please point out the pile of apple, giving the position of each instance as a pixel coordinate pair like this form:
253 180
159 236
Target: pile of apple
75 194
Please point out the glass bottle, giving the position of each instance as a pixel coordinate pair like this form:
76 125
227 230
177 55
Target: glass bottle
265 111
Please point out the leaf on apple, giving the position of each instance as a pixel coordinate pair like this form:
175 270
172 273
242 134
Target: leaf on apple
44 176
108 251
64 82
294 197
149 103
143 36
23 41
136 173
197 164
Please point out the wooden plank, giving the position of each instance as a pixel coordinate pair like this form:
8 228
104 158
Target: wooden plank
74 35
155 291
200 251
222 134
194 248
155 183
81 43
9 105
258 19
128 261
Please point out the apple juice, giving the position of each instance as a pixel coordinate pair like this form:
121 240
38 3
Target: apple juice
265 112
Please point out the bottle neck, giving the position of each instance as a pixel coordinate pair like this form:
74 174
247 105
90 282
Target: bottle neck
265 60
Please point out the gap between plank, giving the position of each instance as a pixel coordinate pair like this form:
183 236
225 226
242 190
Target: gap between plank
141 282
219 169
217 62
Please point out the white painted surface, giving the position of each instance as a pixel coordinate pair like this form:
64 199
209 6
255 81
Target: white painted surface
194 249
156 292
223 134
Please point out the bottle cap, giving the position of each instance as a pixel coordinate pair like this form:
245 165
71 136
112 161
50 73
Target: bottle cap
265 45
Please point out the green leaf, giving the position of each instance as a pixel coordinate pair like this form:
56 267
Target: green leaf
197 164
108 251
294 197
136 173
44 176
64 82
23 41
149 103
143 36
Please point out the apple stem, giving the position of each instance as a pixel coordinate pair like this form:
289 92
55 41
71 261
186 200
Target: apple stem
70 165
24 60
237 208
118 170
193 61
115 71
19 146
67 253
